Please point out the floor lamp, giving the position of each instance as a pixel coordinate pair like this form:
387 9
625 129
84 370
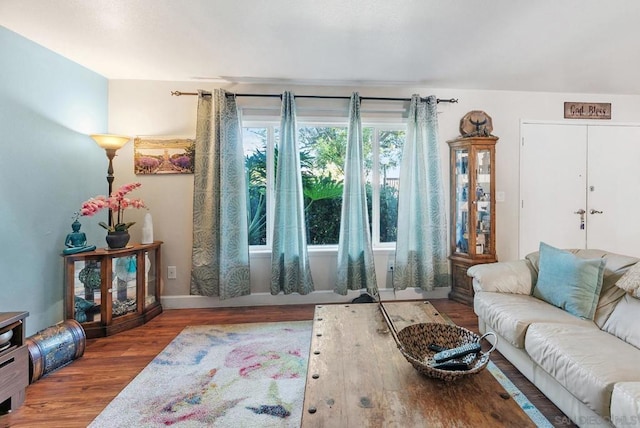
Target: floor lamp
110 143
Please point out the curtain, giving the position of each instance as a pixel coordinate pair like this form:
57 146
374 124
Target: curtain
421 244
289 259
355 255
220 254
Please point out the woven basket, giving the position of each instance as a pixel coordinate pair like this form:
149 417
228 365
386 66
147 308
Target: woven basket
415 339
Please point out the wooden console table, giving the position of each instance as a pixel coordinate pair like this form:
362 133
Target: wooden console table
357 377
14 362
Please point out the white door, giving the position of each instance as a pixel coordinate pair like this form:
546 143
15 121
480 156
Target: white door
613 201
553 168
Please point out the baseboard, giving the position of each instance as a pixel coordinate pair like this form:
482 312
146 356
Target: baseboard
316 297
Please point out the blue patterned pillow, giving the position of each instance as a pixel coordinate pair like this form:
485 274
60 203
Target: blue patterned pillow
569 282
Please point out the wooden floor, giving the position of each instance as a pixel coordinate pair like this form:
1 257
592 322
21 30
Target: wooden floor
74 395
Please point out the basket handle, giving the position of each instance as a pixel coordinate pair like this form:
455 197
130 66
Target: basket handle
493 347
387 319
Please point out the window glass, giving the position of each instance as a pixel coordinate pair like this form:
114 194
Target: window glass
391 144
255 154
322 158
322 152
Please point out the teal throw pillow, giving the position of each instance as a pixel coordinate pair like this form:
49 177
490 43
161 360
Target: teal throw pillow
569 282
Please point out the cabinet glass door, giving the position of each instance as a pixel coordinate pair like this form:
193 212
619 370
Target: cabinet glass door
461 157
123 287
86 290
150 280
483 202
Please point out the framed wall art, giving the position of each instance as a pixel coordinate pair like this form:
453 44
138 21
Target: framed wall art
163 155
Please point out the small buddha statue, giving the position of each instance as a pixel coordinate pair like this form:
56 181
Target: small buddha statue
76 241
81 307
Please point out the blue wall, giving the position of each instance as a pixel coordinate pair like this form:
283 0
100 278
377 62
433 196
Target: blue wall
48 167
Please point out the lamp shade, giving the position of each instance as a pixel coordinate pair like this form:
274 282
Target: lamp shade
110 141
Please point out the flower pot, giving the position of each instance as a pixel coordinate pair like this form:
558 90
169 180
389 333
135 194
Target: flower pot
118 239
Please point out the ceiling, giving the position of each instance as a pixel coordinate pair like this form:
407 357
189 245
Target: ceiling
584 46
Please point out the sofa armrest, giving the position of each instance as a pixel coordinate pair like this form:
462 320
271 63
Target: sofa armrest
516 277
625 404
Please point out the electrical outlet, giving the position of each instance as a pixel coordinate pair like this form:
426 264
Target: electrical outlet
171 272
390 265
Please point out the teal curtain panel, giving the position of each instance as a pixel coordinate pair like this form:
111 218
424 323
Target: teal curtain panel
356 269
290 270
220 254
421 246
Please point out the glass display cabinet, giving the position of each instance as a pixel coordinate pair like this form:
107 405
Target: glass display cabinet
473 223
108 291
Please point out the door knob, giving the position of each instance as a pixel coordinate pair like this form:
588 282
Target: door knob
592 211
581 212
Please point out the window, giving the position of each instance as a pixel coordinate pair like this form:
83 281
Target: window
322 153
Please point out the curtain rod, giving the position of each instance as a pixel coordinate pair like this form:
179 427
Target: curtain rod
439 100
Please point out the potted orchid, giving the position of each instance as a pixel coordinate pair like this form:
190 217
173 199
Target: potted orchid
117 202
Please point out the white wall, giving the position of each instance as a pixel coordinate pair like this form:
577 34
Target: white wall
147 108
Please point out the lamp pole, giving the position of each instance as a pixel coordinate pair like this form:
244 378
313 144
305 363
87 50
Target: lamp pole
110 155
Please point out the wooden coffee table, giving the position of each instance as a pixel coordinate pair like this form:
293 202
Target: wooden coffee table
357 377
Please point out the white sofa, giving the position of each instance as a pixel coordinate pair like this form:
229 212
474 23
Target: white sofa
589 368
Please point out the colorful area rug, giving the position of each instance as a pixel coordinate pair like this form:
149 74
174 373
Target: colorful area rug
240 375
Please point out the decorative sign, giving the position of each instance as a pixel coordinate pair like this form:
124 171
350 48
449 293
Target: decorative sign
587 110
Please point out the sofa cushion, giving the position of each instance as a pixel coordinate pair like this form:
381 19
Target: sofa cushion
630 281
509 315
504 277
616 266
609 298
587 361
614 262
624 321
569 282
625 404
